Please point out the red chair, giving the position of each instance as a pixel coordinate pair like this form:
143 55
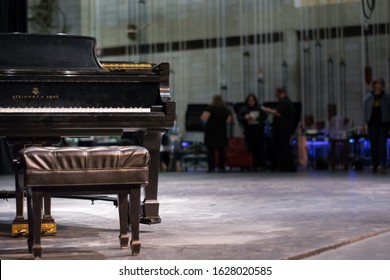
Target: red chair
237 156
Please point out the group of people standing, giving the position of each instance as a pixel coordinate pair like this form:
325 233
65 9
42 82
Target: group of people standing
252 117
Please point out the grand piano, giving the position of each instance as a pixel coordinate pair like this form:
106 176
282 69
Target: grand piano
53 86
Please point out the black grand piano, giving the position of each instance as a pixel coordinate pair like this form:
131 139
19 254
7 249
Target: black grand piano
53 86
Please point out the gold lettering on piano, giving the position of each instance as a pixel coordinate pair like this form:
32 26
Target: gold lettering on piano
35 94
30 96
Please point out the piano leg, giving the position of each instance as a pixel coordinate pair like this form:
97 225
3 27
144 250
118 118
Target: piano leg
19 224
150 206
48 226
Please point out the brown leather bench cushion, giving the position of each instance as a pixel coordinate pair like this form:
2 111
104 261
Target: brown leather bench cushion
62 166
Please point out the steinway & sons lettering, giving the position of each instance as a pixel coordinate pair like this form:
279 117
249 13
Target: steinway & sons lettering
30 96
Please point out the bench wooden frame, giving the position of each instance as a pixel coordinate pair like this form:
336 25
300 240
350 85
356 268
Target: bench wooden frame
129 211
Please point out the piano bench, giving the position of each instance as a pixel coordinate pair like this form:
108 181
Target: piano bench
48 171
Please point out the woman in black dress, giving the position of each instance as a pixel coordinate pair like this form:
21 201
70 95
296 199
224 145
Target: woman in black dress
216 118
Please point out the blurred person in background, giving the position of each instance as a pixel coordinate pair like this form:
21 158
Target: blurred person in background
376 113
216 118
283 130
252 120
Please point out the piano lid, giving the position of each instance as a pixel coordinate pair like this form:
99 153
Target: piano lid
54 52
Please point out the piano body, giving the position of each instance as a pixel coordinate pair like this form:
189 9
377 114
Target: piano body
53 86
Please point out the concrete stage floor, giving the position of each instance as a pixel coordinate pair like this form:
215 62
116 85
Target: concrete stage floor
232 215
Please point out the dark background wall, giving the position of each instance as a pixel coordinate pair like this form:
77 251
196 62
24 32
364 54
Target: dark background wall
13 16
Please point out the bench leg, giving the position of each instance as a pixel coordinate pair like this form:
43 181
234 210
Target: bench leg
35 220
135 197
30 221
123 206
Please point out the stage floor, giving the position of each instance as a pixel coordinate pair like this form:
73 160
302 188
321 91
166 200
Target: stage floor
232 215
